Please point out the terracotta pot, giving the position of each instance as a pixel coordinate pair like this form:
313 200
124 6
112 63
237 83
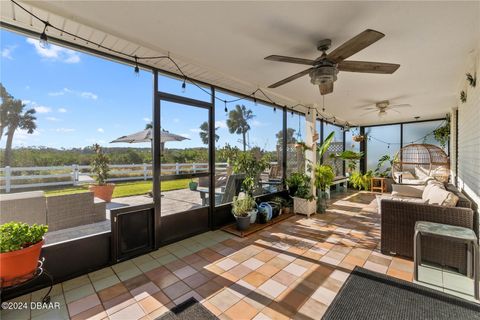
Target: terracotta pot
103 192
19 266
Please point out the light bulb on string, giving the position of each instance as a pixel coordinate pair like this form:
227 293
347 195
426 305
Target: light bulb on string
274 108
43 42
136 69
184 86
226 110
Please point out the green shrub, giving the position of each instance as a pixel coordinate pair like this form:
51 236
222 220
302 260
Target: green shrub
18 235
241 207
361 181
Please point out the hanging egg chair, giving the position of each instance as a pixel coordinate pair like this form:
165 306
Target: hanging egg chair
416 163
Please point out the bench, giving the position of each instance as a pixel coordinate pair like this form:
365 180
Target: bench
338 180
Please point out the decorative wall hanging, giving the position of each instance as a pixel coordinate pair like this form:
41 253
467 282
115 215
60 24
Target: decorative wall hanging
463 96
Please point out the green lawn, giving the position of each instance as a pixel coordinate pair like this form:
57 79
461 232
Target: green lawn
126 189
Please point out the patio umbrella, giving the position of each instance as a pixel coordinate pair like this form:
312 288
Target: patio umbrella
146 136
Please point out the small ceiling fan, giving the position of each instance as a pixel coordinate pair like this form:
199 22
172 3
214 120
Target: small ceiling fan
325 68
382 107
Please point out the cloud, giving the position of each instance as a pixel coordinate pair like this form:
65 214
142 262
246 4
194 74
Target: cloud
64 130
197 130
176 120
83 94
221 124
7 52
27 102
53 119
147 119
62 110
100 130
256 123
89 95
55 53
42 109
21 134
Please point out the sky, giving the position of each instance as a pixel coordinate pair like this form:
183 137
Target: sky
81 99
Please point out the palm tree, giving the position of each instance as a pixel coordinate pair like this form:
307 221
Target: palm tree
17 118
204 133
290 136
237 122
4 107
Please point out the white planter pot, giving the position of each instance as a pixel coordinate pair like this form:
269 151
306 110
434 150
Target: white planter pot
304 206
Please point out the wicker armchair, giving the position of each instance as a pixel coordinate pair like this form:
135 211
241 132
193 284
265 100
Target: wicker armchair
398 220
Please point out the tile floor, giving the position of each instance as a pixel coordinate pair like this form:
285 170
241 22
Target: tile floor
291 270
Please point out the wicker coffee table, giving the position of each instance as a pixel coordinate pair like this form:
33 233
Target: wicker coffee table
451 233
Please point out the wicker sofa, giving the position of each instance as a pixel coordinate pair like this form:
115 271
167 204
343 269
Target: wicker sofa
398 218
59 212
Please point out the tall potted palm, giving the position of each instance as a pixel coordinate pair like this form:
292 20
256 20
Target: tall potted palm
324 176
101 169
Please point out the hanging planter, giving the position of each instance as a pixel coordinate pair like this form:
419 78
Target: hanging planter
358 138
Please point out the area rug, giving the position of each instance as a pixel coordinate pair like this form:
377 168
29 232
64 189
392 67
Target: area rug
371 295
190 309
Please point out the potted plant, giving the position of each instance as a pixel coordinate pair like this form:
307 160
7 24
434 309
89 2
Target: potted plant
324 176
100 168
385 172
252 164
295 180
358 138
20 246
304 201
193 185
244 210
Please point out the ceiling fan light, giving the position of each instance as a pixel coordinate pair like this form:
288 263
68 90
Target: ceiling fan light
323 74
382 113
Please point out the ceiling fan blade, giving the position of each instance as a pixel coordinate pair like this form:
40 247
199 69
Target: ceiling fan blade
369 112
395 111
368 67
354 45
290 59
326 88
291 78
404 105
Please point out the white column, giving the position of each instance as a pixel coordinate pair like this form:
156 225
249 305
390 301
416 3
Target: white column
311 141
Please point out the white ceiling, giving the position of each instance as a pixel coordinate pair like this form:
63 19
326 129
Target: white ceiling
224 43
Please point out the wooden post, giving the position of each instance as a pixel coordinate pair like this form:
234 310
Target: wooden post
144 171
177 168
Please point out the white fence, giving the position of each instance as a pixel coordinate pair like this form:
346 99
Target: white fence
35 177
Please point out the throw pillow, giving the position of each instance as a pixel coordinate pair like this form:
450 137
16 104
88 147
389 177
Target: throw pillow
437 195
405 190
451 200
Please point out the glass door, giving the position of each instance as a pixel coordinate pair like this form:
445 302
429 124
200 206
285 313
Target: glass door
185 169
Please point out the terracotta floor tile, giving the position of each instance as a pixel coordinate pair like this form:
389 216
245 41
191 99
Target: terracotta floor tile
268 270
224 300
293 300
240 270
83 304
150 304
166 281
284 278
313 309
272 288
407 276
118 303
192 258
276 311
265 255
184 272
144 291
137 281
95 313
209 289
195 280
255 278
212 308
157 273
241 310
161 297
176 290
278 263
175 265
132 312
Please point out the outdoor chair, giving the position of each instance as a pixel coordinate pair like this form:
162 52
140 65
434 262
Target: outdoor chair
232 188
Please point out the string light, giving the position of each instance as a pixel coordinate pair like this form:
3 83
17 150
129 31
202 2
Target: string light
184 86
274 108
292 113
135 59
137 69
43 37
226 110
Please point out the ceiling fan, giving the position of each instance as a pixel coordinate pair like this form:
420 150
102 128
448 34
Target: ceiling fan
382 107
325 68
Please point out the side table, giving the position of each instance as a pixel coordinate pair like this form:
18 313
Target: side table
452 233
377 184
